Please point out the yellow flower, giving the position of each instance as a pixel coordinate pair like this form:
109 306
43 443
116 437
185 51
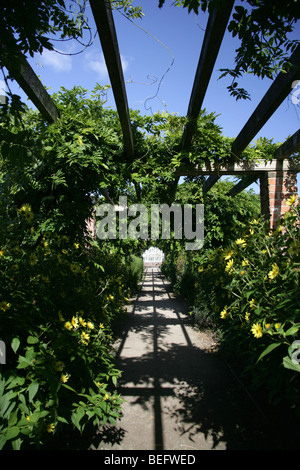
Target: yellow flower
245 262
224 312
229 265
247 316
65 378
4 305
75 268
252 303
277 326
200 269
228 254
76 246
101 325
291 200
50 427
68 325
111 297
267 326
82 321
274 272
293 249
85 337
106 396
74 322
1 253
256 330
90 325
32 259
241 242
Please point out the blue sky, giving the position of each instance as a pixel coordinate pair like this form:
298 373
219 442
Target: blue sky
163 48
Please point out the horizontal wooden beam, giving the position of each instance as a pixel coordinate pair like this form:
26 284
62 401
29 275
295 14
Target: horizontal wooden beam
290 146
23 73
239 168
278 91
214 34
107 33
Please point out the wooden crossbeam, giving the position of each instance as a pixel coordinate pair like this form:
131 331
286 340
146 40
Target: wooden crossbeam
278 91
214 33
209 182
106 29
23 73
243 184
215 171
290 146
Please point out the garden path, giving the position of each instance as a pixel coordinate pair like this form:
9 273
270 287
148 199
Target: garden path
179 392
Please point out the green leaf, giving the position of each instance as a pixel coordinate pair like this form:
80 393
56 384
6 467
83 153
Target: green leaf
32 390
62 420
32 340
77 416
292 331
12 432
15 344
289 364
269 349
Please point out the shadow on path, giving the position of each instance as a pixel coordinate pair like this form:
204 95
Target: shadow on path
179 393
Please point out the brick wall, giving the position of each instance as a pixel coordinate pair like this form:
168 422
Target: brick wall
275 188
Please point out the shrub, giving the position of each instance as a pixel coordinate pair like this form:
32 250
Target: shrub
252 290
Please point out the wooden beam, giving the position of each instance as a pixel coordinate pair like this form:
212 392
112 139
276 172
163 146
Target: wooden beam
34 89
106 28
243 184
238 168
278 91
214 33
211 180
290 146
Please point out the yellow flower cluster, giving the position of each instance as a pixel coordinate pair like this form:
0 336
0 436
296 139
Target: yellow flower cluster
274 272
78 321
26 212
224 312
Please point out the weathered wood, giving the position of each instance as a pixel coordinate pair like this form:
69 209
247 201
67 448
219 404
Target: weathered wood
211 180
238 168
214 33
243 184
278 91
107 33
34 89
290 146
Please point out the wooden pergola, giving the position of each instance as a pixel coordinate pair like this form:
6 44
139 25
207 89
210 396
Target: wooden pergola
277 177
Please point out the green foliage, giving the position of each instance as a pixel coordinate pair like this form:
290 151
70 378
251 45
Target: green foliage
61 291
251 288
